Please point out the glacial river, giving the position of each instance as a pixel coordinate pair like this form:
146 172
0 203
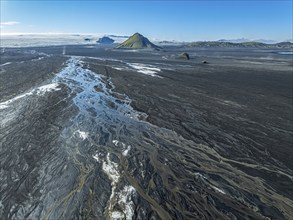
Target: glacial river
106 162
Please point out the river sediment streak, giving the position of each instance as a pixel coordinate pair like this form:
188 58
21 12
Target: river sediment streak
74 148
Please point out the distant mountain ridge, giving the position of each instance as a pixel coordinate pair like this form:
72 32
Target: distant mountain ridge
137 41
251 44
244 40
118 36
240 40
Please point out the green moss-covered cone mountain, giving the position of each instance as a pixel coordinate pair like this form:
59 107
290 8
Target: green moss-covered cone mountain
137 41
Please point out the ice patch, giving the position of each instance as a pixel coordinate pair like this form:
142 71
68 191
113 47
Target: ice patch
47 88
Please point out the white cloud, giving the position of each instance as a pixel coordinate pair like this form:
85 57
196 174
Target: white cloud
9 23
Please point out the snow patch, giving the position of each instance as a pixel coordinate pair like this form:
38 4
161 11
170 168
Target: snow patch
90 47
125 204
111 169
125 152
97 157
226 102
218 190
5 104
4 64
145 69
47 88
39 91
123 197
115 142
40 58
82 134
119 68
117 215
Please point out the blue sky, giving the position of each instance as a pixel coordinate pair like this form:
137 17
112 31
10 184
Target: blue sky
170 20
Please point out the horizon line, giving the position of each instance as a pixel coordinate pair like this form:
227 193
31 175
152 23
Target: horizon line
154 39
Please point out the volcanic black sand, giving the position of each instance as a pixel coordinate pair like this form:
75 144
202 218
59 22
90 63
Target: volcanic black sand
97 133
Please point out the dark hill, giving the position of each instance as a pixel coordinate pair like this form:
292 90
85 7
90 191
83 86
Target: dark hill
105 40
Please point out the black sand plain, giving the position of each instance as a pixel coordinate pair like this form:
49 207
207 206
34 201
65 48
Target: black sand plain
91 132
